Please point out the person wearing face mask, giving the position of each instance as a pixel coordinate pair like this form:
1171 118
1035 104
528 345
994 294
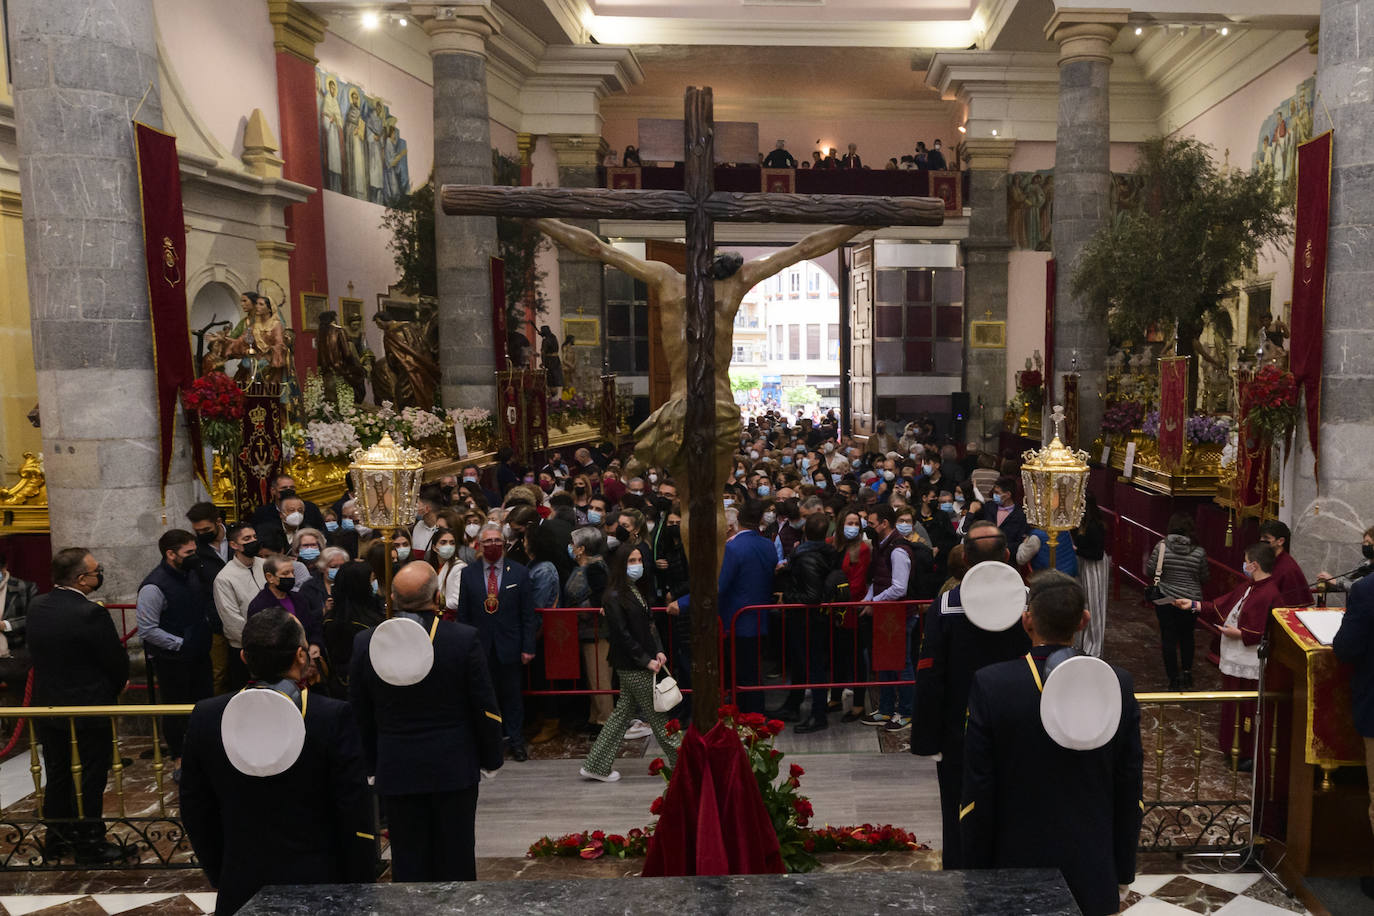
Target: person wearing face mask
443 556
280 591
237 584
427 508
584 589
1241 615
212 546
175 607
320 586
636 654
341 530
496 596
270 512
881 441
1003 512
78 660
1343 583
356 607
400 548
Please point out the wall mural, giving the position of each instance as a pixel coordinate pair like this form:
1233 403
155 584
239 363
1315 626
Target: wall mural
361 150
1288 126
1030 205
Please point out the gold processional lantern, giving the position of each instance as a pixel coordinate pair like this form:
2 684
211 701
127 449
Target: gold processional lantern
1055 479
386 485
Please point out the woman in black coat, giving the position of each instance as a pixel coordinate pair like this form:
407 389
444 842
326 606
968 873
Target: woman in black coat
636 654
357 607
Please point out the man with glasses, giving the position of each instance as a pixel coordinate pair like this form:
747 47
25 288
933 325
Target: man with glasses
78 660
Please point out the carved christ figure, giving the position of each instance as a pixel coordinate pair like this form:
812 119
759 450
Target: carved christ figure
660 440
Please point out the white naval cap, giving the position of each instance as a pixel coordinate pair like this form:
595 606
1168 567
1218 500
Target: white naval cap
993 596
1080 706
402 652
263 732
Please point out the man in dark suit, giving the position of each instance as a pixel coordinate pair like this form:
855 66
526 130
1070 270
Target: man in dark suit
427 741
1354 645
497 597
952 649
1029 802
309 823
78 660
269 514
1003 512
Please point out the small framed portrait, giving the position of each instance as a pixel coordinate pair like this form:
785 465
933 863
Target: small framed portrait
349 309
312 304
988 335
585 332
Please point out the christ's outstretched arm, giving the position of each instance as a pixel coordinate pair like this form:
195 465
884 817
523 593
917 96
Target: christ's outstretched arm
585 243
812 246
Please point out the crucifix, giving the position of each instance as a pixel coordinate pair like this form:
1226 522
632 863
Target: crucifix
696 432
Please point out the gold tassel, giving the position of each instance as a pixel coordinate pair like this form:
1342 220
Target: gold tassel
1230 526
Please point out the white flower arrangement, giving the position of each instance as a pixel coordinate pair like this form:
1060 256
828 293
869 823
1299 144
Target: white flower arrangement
422 424
332 440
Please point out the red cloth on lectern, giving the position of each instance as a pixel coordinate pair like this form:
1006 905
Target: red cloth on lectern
713 820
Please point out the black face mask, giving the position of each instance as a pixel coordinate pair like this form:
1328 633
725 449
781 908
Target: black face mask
622 534
99 581
205 538
190 564
1368 551
251 548
286 584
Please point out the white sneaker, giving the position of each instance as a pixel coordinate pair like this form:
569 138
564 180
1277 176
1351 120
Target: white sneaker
638 729
613 776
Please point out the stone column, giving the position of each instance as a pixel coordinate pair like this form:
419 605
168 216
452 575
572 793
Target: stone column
464 245
1082 185
80 71
581 286
986 253
1330 513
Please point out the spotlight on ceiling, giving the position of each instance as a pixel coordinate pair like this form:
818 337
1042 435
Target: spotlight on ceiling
1225 31
402 22
963 129
1139 30
370 20
994 133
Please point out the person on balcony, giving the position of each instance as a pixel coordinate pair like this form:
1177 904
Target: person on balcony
779 157
935 158
851 160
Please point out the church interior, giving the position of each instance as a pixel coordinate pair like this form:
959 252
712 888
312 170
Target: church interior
374 274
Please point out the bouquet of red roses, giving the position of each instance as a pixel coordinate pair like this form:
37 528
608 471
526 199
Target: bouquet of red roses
219 403
1270 402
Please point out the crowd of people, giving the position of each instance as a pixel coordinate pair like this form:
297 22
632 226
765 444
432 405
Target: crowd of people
292 599
921 158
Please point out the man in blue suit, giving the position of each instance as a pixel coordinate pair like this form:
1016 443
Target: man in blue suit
1354 645
497 597
426 740
746 579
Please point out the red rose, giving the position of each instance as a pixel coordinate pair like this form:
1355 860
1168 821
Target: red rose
809 844
728 711
752 720
571 841
774 754
657 806
598 835
795 771
615 839
803 807
794 782
673 727
656 766
636 833
775 726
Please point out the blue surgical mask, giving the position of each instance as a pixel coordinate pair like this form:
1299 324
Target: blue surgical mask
593 517
634 571
347 524
331 526
948 507
905 529
570 552
376 589
309 554
402 553
729 502
851 532
739 472
332 573
764 490
805 463
927 469
820 482
786 460
1002 499
835 478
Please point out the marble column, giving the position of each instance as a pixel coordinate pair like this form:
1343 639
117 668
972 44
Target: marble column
1330 513
80 71
581 280
986 253
1082 185
464 244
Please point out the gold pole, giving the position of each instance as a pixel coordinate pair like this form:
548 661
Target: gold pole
1235 752
36 768
117 766
388 533
1159 752
76 769
157 769
1053 535
1197 757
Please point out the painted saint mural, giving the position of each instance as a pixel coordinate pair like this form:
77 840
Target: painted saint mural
361 150
1288 126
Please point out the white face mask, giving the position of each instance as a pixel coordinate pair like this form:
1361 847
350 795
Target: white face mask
294 519
471 530
506 532
769 518
754 455
653 478
403 553
445 551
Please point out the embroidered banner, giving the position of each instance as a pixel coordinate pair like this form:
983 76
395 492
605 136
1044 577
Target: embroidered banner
164 247
1173 410
562 651
889 637
1252 476
1071 409
1309 277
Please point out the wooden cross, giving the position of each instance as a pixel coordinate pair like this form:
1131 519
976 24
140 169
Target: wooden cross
700 205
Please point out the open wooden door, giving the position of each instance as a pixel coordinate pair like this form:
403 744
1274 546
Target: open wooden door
861 343
674 254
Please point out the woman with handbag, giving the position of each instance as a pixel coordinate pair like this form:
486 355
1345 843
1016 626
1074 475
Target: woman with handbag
636 654
1176 568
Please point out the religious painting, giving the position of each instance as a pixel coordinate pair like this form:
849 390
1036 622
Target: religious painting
778 181
312 305
988 335
1286 128
945 185
350 310
362 152
1030 205
623 179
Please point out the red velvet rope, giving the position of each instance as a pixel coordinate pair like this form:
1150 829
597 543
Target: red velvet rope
19 728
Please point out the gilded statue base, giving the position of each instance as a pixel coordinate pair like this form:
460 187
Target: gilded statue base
1199 474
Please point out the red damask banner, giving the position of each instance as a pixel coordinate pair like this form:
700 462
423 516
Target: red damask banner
164 245
1049 331
1309 276
1070 409
498 311
562 651
889 637
778 181
1252 474
610 409
1173 409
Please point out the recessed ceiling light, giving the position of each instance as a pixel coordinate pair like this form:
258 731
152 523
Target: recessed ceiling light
1139 30
994 133
1225 31
370 20
402 22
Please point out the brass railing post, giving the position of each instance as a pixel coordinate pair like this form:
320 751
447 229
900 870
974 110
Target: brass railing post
157 769
117 764
1159 753
1235 751
76 769
1197 757
36 768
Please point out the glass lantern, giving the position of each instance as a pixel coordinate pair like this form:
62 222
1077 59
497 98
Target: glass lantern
386 486
1055 479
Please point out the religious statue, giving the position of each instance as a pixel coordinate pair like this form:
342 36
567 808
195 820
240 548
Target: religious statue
261 348
660 440
1273 339
31 482
339 361
553 365
410 362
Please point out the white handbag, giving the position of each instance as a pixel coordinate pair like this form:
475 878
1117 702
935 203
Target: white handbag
666 693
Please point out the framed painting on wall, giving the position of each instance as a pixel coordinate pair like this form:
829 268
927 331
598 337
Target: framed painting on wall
312 305
585 332
988 335
349 310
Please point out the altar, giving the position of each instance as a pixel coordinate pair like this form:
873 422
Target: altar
1328 795
1041 892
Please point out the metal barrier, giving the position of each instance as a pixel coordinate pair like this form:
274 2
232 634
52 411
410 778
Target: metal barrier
153 836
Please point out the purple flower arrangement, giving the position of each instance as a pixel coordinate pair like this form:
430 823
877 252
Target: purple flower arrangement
1205 430
1122 417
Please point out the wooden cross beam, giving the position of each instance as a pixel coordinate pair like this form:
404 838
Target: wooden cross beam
700 205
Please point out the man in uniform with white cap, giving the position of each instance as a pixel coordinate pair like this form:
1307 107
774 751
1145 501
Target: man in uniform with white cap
953 646
1052 754
428 714
272 783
